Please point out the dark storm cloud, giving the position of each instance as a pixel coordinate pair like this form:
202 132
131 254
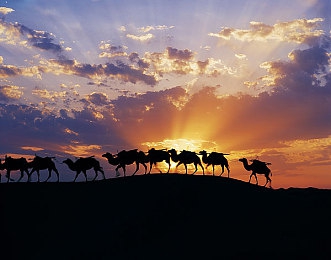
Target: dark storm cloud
98 99
119 70
38 39
9 71
174 53
134 57
306 71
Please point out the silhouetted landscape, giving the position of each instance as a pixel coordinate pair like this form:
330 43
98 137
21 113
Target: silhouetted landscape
163 216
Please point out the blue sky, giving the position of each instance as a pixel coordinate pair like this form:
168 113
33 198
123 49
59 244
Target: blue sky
251 78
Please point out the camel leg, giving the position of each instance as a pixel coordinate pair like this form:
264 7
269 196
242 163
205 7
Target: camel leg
250 177
150 167
84 172
57 173
145 166
196 168
8 176
213 169
203 169
267 180
168 166
222 169
29 177
49 174
227 167
38 174
77 173
137 168
30 174
124 170
103 174
22 174
257 183
96 174
116 170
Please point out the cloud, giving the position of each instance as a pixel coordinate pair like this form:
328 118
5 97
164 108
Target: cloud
143 34
111 51
141 38
157 27
98 99
183 62
10 93
13 71
5 10
120 71
51 95
19 34
298 31
306 69
174 53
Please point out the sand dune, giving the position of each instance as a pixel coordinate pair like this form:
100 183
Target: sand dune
163 217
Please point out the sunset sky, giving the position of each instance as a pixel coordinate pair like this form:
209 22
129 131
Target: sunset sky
248 78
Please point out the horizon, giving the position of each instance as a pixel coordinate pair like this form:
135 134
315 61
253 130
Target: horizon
246 78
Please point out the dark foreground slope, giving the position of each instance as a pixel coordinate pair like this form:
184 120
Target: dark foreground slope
163 217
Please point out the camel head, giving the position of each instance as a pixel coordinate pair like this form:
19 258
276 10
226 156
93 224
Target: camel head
203 152
107 155
68 161
172 151
243 160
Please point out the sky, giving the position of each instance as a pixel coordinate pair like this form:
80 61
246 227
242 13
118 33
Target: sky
248 78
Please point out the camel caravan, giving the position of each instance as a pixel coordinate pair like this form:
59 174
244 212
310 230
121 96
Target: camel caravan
129 157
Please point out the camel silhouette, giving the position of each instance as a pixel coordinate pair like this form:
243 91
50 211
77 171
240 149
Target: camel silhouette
156 156
83 164
42 163
257 167
215 158
13 164
124 158
2 167
186 157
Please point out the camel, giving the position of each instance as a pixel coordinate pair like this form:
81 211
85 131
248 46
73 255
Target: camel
257 167
156 156
2 167
13 164
124 158
84 164
186 157
215 158
42 163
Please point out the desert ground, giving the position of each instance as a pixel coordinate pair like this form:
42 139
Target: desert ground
163 216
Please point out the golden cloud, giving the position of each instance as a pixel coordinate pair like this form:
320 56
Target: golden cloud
11 92
298 31
51 95
141 38
6 10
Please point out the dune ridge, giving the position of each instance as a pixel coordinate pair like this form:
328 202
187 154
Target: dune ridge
163 216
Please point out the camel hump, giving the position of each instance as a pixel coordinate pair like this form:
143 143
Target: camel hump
260 163
125 152
90 157
185 152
